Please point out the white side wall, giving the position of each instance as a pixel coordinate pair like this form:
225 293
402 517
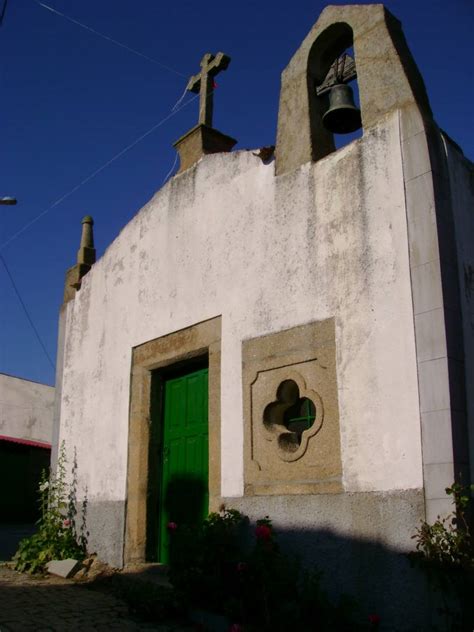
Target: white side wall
26 409
228 238
461 176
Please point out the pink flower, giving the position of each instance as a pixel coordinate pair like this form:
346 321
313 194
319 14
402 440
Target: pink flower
242 567
236 627
374 619
263 532
66 523
172 526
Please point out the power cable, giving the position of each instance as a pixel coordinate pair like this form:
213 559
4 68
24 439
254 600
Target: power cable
30 320
2 13
165 179
94 173
110 39
175 109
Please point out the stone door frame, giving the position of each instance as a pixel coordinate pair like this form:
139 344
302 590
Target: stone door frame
202 339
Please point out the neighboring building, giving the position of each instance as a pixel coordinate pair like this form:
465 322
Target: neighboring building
293 337
26 425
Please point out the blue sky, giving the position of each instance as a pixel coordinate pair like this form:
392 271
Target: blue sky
71 101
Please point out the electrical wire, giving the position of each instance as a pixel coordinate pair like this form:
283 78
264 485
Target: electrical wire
165 179
30 320
94 173
178 102
110 39
176 108
2 14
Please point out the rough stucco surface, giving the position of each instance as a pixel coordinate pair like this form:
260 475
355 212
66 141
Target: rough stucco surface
26 409
226 237
105 524
461 176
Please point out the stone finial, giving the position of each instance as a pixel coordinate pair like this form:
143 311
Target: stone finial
86 252
203 138
85 260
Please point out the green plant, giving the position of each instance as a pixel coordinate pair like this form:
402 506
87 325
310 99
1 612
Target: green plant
445 552
57 536
201 559
222 567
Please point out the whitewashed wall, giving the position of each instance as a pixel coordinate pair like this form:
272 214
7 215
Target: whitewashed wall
26 409
461 176
228 238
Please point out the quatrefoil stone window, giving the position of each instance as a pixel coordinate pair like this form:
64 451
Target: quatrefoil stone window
293 418
291 412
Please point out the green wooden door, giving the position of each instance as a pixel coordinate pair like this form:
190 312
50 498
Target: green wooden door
184 492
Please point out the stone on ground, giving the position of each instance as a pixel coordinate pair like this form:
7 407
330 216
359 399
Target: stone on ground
63 568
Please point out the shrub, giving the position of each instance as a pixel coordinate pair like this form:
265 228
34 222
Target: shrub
445 552
202 559
214 567
57 536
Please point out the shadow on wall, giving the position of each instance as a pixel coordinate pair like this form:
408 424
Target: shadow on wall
381 579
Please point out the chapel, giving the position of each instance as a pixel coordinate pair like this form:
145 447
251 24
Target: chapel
289 333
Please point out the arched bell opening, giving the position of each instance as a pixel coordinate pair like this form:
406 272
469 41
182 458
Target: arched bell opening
335 117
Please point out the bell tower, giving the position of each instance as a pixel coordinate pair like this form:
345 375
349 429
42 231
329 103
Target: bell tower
387 77
430 173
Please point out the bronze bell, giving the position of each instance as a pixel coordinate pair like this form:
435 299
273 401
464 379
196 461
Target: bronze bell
343 116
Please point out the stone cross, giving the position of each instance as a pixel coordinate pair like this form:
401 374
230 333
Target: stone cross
202 83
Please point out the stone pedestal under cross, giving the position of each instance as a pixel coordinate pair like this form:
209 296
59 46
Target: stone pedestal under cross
203 138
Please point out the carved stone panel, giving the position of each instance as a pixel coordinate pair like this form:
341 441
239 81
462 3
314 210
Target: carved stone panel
291 418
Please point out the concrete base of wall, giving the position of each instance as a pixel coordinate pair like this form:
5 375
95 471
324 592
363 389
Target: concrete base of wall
359 541
105 522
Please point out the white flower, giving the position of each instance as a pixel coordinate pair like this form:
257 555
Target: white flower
44 486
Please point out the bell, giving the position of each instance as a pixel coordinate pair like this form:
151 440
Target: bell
343 116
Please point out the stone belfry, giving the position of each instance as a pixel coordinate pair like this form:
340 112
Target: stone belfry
203 138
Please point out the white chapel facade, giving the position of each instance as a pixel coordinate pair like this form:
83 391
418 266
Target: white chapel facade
309 314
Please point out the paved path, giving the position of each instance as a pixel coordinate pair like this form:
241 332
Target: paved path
58 605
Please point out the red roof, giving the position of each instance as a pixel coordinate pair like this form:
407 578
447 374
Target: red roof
35 444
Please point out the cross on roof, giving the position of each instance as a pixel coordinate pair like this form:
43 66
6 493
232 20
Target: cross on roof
202 83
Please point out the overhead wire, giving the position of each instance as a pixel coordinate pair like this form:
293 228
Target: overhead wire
176 108
27 314
122 45
110 39
2 12
165 179
66 195
94 173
